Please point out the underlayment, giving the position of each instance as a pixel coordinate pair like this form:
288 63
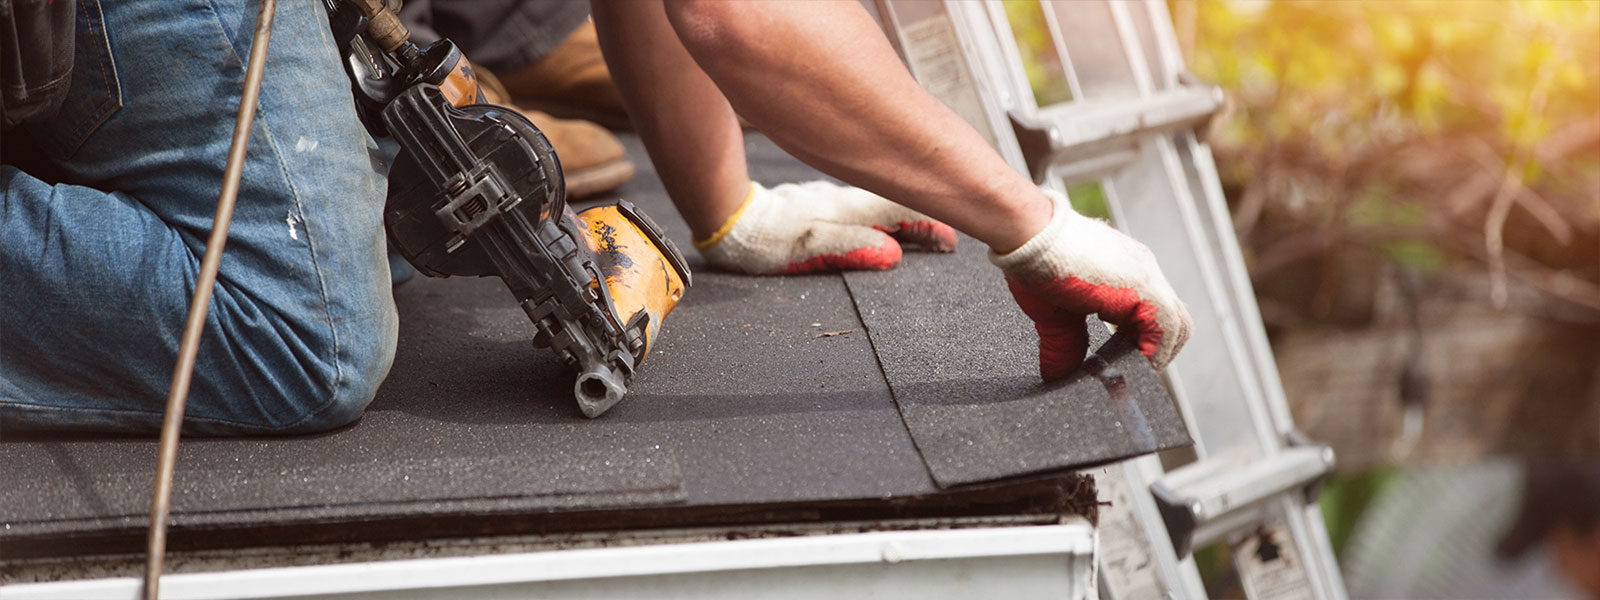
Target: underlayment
742 402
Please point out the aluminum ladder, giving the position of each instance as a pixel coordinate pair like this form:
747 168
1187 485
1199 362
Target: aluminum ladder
1131 125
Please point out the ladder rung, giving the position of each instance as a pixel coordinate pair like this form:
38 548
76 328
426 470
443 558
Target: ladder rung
1073 131
1095 167
1215 489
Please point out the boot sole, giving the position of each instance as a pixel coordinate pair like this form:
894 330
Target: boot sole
612 120
593 180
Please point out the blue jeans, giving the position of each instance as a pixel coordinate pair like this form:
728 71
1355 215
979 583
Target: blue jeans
96 272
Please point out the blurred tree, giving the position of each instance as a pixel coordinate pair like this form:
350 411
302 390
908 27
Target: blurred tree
1378 153
1428 134
1458 140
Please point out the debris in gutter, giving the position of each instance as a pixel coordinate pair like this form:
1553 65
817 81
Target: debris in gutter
833 333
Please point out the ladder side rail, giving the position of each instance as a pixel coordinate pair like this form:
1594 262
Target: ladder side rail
1267 439
1149 544
1203 177
1164 60
1222 377
1179 573
1204 174
1213 271
1074 88
1139 65
1316 549
1135 560
1003 72
935 42
1302 515
1217 385
989 32
1132 48
1016 75
1075 25
1149 63
1172 175
1317 568
1077 29
975 38
1220 415
1159 570
1165 39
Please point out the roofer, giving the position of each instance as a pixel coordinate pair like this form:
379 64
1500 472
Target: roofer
100 242
820 80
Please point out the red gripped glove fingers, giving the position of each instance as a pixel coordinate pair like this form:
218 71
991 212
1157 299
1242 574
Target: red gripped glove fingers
1063 334
1078 266
931 235
845 249
817 227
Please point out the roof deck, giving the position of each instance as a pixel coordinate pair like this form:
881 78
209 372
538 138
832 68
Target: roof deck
928 405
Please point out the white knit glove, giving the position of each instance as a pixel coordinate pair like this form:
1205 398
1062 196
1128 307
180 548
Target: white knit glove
819 226
1079 266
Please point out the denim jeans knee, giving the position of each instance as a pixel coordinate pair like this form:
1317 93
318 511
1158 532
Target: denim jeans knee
363 361
96 271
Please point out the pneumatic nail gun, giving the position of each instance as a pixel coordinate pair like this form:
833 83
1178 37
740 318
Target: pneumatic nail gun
476 190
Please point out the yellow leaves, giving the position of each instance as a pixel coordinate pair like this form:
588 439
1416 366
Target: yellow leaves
1394 34
1450 33
1431 98
1328 68
1572 78
1536 53
1563 10
1388 79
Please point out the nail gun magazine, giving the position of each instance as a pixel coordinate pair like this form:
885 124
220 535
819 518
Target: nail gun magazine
477 191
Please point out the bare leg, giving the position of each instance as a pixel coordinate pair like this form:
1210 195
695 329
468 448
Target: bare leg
822 82
687 125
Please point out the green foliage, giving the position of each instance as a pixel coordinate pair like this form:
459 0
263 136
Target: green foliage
1417 254
1345 496
1089 199
1039 58
1215 564
1343 499
1379 210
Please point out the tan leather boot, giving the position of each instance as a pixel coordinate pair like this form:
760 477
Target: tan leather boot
592 160
572 81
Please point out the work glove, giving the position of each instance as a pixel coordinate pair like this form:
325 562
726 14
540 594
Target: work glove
1079 266
819 226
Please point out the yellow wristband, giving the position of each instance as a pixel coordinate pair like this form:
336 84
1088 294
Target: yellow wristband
727 226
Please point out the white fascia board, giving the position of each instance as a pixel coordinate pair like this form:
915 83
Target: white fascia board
1073 539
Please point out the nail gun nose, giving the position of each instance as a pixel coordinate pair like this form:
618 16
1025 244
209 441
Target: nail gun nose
598 389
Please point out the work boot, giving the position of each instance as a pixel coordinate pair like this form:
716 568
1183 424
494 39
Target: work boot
592 160
572 81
